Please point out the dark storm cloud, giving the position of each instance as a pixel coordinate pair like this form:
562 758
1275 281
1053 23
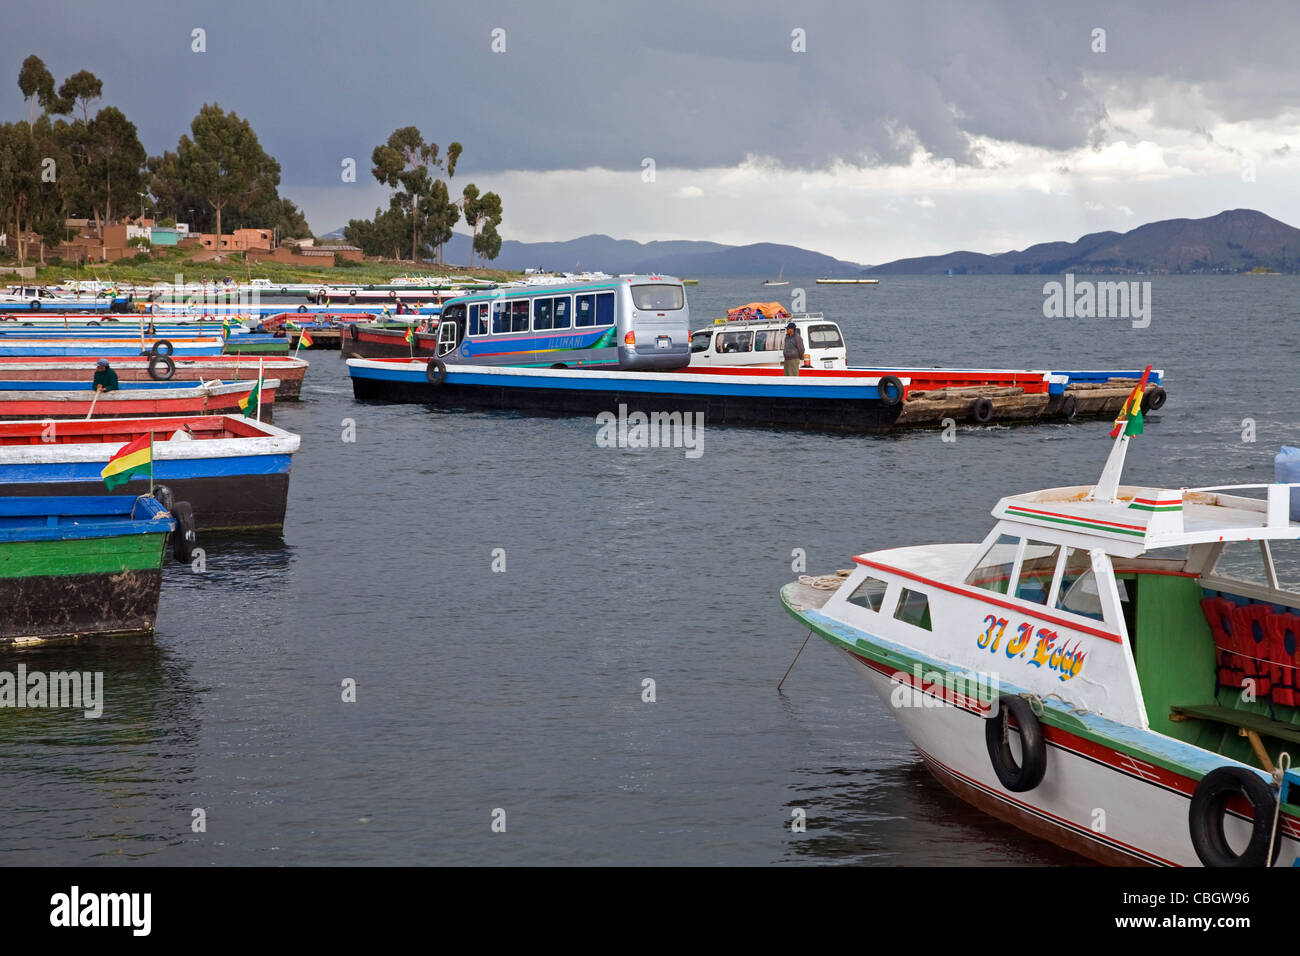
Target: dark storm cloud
690 84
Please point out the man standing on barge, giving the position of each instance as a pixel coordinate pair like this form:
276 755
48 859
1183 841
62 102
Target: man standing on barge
793 351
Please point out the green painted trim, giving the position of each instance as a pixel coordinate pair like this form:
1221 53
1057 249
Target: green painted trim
1137 507
1073 521
131 552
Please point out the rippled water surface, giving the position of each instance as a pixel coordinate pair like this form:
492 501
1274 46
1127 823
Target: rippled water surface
522 690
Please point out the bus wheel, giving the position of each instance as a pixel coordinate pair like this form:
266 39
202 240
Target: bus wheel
559 365
435 372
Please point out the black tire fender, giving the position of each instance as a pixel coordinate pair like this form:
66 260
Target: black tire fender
185 538
1018 778
1069 408
353 332
982 410
435 372
1154 400
36 305
1206 814
302 308
162 347
890 388
161 368
163 495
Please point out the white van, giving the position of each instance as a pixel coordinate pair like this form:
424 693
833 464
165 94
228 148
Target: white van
760 342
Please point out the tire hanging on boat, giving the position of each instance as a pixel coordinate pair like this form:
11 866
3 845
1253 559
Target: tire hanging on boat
982 410
1069 408
185 537
163 495
435 372
158 348
1153 400
1209 809
302 308
890 388
1018 778
161 368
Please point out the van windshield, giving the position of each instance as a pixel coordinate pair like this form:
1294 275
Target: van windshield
658 298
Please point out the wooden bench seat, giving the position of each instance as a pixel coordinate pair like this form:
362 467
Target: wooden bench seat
1250 725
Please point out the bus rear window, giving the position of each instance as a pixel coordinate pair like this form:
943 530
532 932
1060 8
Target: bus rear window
658 298
824 337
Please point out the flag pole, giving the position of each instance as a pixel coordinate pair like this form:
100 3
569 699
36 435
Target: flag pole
151 464
259 389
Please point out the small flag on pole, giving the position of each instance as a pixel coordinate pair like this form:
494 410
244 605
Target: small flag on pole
133 457
1129 422
304 339
410 335
251 404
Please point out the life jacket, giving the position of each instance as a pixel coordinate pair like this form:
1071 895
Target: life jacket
1218 614
1249 636
1283 641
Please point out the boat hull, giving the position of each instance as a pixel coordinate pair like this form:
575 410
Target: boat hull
566 392
127 404
289 372
235 502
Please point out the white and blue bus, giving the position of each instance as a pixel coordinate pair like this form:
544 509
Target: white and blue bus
629 322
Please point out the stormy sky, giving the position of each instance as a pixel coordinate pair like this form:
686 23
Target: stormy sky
899 129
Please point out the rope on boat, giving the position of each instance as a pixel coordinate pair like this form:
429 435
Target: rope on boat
1036 703
1279 771
825 582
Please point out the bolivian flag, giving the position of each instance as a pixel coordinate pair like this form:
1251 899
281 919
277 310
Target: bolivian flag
250 401
304 340
1129 421
410 335
134 457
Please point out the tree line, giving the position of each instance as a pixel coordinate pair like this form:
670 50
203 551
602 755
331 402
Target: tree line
421 212
63 163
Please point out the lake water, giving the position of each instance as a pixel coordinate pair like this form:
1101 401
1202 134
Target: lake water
521 691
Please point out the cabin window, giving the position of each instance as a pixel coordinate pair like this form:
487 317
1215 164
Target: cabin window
869 594
824 337
563 312
993 573
543 313
658 298
772 340
1243 561
1079 593
700 341
478 319
735 342
1037 569
914 609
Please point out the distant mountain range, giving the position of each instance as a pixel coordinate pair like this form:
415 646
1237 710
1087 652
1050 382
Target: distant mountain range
1234 241
680 257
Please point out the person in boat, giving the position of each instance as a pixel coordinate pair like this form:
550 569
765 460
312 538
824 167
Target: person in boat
793 352
105 378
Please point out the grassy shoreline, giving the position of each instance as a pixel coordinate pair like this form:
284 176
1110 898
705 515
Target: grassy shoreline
163 265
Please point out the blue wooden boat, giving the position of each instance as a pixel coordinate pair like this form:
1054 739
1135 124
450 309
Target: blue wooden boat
80 567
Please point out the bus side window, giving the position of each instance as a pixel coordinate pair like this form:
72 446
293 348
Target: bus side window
500 317
561 311
586 311
542 313
605 308
519 316
478 319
